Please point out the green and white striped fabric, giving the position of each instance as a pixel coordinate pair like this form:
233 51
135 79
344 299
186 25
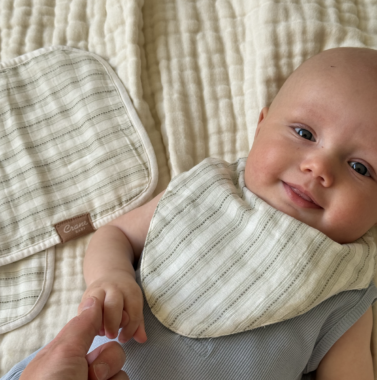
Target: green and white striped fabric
25 286
71 143
218 260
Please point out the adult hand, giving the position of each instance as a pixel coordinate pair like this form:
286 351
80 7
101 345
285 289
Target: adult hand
65 358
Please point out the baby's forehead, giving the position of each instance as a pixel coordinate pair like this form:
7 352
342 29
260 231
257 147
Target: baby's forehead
334 73
326 91
347 62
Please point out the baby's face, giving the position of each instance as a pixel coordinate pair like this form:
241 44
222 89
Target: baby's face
314 155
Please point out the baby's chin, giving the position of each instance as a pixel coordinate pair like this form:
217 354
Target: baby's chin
310 217
337 235
314 218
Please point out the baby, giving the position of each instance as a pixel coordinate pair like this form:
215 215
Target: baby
314 158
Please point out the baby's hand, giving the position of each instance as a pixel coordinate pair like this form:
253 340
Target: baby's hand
122 301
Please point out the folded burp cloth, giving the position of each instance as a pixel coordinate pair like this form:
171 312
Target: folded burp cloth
73 156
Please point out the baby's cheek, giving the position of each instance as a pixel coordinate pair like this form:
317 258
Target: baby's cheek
345 222
268 164
256 179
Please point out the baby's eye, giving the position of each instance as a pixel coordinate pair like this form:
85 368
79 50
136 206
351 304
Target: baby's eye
305 134
360 168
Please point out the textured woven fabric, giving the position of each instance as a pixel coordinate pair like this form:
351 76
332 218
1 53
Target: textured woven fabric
218 260
70 144
25 286
213 65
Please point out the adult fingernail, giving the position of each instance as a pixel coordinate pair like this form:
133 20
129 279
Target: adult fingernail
101 370
88 303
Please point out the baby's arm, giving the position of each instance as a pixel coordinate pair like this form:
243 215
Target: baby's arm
350 357
109 272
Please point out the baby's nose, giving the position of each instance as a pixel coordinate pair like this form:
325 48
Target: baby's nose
320 167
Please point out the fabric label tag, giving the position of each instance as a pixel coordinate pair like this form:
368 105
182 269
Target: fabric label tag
74 228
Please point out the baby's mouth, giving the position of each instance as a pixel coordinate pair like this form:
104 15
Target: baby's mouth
299 197
299 193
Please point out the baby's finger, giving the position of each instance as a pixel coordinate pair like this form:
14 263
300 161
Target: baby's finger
134 330
125 319
140 335
134 307
113 307
102 329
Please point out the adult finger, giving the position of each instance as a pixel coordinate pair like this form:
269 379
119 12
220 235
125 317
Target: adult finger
98 293
120 376
105 361
80 331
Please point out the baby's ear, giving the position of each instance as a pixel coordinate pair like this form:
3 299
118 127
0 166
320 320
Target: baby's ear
262 116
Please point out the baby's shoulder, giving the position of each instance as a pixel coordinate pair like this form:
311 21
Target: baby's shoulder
350 357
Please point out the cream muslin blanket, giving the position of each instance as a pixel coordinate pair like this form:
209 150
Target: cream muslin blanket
197 71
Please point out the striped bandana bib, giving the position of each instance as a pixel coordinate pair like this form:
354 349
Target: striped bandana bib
218 260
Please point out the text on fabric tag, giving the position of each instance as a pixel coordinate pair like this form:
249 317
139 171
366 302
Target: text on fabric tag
74 228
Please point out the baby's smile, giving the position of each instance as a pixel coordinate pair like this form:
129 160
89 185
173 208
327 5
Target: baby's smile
300 196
